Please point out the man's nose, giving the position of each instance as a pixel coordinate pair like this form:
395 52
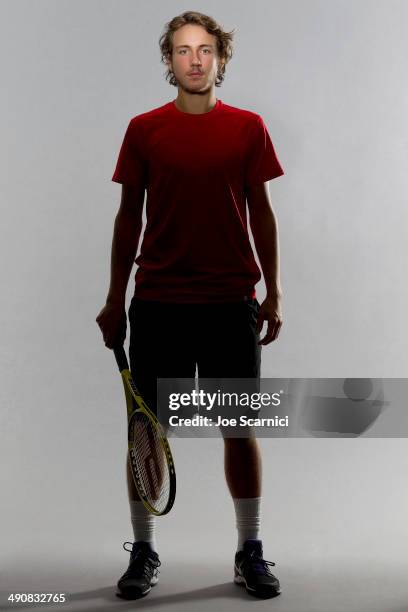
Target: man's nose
195 60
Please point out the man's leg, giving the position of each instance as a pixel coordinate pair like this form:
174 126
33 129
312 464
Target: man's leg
157 349
160 347
229 349
143 521
243 466
243 472
143 371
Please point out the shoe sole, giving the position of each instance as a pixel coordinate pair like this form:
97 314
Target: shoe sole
265 592
134 592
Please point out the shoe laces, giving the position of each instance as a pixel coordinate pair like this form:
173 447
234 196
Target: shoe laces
260 565
142 562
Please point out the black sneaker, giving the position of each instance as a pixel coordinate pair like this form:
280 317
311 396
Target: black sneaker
252 571
142 572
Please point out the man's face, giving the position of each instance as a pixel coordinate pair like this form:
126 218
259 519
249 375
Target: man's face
194 50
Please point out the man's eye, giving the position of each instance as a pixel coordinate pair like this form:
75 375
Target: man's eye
185 50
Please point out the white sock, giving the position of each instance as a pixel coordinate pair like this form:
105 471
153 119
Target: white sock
143 523
248 519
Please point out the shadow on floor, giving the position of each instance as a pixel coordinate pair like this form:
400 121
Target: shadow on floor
110 602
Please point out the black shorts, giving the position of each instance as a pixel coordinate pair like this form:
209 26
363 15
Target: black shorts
168 340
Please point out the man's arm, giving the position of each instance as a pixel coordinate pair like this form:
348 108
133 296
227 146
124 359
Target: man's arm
126 234
264 227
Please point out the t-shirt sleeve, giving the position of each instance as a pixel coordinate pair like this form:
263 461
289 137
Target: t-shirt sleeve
262 163
131 165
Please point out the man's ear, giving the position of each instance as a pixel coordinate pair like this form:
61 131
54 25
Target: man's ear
168 62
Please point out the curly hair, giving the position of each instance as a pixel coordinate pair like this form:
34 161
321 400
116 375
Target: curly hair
224 41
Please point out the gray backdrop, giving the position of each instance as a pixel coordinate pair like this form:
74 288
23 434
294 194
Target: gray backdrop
328 78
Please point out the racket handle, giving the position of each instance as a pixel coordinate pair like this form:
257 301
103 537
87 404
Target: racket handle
121 358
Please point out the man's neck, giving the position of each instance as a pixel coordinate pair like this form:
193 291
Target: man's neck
195 104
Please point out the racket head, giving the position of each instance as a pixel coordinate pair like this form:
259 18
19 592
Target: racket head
151 460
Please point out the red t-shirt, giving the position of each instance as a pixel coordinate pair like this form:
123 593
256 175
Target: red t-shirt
195 167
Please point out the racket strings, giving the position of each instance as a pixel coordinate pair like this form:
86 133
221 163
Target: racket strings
150 452
151 462
153 480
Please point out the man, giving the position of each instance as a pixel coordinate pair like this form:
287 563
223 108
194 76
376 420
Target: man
201 162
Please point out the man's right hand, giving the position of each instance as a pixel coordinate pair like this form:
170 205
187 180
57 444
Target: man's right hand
112 321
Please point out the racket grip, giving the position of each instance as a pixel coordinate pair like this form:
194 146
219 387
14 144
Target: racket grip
121 358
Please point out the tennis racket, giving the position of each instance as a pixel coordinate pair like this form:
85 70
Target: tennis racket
151 460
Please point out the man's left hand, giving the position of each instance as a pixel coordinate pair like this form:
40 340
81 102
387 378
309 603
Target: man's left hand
270 311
